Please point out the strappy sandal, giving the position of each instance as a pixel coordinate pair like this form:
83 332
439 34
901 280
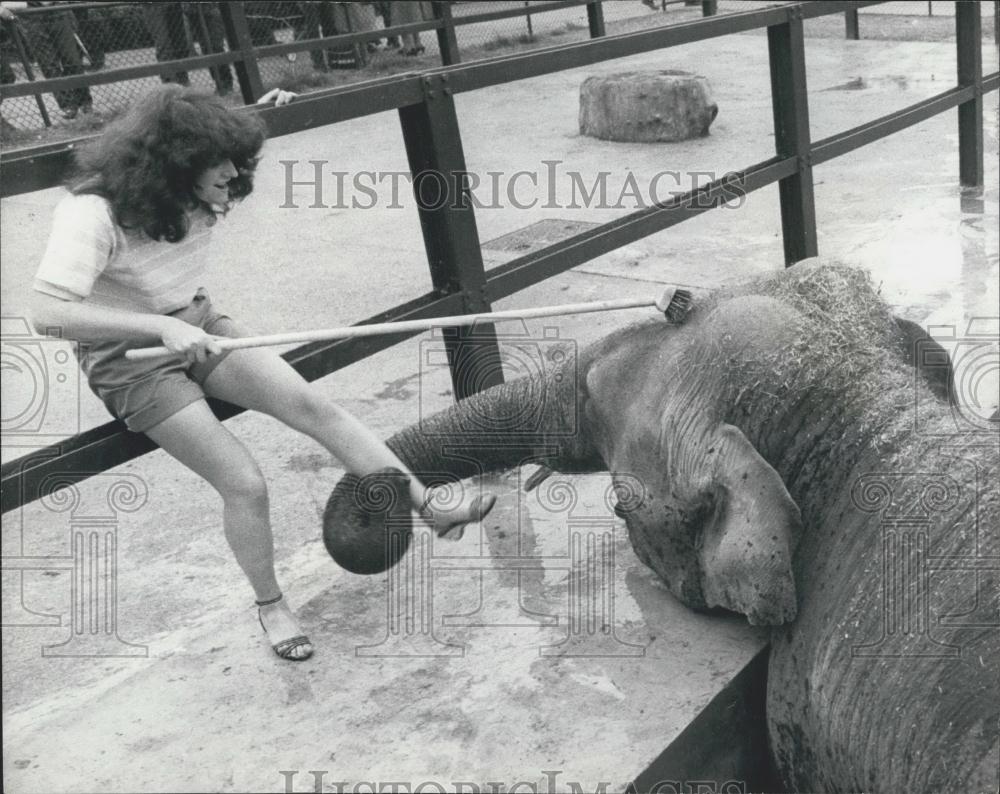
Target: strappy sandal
479 508
284 648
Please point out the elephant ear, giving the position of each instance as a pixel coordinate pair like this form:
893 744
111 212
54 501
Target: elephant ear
747 544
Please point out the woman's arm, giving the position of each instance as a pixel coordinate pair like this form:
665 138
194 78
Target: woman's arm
80 320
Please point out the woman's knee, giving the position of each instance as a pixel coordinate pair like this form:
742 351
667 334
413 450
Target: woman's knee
245 482
311 409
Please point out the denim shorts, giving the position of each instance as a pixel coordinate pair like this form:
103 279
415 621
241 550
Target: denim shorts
144 393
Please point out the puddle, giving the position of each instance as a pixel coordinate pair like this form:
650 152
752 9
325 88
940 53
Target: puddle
900 82
398 389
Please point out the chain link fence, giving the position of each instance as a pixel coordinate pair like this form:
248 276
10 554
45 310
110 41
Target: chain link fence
63 40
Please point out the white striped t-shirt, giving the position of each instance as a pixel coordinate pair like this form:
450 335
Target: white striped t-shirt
90 257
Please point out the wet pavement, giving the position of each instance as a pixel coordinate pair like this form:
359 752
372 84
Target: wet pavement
496 668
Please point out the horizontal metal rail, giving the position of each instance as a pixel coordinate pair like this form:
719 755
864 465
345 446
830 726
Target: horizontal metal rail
537 266
39 11
510 68
863 134
54 84
508 13
346 39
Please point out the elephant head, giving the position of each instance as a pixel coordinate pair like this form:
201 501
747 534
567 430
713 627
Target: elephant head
714 519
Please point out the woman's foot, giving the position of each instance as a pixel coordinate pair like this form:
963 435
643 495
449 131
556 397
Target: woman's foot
452 524
283 630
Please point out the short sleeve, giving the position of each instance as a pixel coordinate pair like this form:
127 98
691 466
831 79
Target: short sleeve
80 247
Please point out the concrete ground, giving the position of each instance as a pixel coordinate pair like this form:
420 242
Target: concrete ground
489 670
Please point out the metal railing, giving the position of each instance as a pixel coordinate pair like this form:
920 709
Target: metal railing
432 136
116 45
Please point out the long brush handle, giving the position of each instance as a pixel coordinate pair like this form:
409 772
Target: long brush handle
405 326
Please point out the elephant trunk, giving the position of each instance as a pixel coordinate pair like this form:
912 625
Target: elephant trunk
366 523
528 419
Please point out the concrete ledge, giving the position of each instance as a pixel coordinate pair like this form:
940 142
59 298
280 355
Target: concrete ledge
724 749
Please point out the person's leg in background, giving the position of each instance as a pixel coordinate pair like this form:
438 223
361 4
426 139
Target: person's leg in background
403 13
334 23
205 22
7 73
356 18
311 30
384 10
37 34
165 23
91 33
62 27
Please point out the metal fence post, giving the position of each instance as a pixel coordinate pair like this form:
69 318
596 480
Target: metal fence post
968 39
238 35
851 27
447 219
595 19
447 42
786 54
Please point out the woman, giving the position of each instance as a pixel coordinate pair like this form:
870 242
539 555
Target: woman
123 269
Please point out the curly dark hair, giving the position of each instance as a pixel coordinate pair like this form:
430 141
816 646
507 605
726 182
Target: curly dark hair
146 163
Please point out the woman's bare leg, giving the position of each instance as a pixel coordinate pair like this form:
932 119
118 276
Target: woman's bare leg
196 438
261 380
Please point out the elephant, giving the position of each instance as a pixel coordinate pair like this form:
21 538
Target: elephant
802 461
